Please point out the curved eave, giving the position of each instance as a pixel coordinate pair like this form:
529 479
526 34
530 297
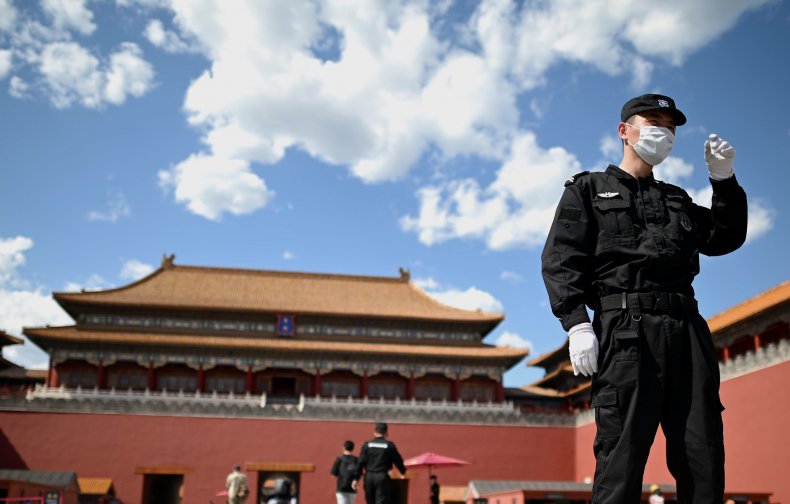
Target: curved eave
50 337
549 359
751 307
331 286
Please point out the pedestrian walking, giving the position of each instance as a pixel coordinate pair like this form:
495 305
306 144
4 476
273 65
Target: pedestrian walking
236 484
376 459
346 470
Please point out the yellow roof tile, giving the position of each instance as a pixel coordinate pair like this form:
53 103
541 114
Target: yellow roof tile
194 287
750 307
95 486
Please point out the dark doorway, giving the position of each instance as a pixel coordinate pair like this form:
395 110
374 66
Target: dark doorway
283 387
162 488
400 491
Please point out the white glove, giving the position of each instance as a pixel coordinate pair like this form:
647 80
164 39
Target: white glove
719 156
583 349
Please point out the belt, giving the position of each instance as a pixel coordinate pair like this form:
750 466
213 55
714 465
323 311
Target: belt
661 302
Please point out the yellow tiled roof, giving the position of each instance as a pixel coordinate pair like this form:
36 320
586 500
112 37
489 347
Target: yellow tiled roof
448 493
750 307
44 336
194 287
95 486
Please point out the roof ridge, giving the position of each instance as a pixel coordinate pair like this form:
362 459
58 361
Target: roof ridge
285 273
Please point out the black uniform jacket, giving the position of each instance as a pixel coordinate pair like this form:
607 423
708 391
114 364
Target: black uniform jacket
613 233
378 455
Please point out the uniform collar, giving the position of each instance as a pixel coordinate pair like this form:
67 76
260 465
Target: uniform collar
624 176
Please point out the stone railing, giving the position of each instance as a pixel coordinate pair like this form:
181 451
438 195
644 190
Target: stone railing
63 399
753 360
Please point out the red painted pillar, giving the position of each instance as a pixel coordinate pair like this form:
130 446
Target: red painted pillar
317 383
410 391
364 389
757 342
456 389
201 379
54 378
250 381
725 354
500 392
151 376
101 376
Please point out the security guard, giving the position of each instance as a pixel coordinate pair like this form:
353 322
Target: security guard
376 459
628 246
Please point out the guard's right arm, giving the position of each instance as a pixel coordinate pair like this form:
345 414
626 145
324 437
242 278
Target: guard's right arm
567 257
335 468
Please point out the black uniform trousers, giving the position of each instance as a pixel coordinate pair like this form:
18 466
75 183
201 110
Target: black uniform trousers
377 488
657 365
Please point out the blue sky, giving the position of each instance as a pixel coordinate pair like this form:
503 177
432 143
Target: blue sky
357 139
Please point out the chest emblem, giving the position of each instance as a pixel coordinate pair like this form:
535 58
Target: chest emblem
608 195
685 222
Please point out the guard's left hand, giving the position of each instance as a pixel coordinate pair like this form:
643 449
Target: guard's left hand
720 157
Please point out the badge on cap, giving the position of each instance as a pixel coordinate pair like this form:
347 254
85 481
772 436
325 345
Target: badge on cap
663 103
608 195
685 222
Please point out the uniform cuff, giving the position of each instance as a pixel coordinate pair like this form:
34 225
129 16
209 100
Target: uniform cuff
724 185
576 316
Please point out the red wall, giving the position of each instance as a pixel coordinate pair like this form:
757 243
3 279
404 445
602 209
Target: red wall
97 445
756 436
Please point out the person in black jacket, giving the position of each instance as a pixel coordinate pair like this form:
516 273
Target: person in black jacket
627 246
377 458
346 470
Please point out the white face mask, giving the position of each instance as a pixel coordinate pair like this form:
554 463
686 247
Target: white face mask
654 145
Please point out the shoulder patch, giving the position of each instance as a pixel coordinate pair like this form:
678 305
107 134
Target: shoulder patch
575 177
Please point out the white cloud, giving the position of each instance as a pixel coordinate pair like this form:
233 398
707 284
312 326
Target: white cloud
515 210
211 186
167 40
761 220
72 74
471 298
397 83
12 256
21 305
92 283
117 208
288 255
8 15
135 270
672 170
761 214
70 15
5 63
513 340
128 74
511 276
18 88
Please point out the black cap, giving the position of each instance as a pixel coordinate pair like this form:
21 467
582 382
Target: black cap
652 102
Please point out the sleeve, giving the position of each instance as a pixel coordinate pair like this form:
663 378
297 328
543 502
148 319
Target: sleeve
335 468
722 228
567 258
397 459
363 458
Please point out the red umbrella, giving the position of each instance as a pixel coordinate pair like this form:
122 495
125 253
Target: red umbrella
430 460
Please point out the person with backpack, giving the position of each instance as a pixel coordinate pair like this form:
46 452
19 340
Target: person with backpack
236 483
346 470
